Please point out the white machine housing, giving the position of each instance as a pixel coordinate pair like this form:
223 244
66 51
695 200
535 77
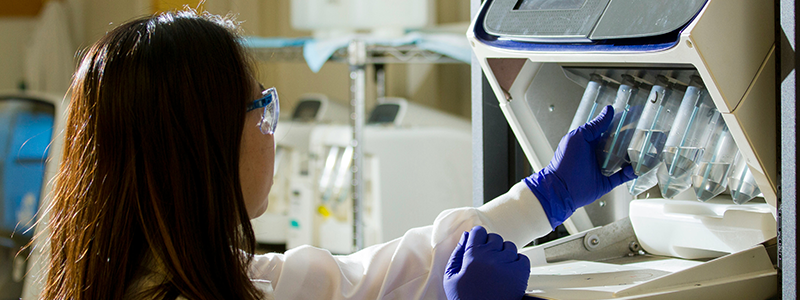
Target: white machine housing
318 108
331 18
413 171
730 45
410 114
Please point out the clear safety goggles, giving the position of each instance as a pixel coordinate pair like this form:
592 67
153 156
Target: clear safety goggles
269 118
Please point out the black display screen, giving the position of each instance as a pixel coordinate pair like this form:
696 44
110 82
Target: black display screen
384 113
549 4
306 111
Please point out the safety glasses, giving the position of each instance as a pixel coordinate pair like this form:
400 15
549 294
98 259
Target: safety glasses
269 118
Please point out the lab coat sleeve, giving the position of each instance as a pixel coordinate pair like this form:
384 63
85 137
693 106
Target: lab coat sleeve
410 267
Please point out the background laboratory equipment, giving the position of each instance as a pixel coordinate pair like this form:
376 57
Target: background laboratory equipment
319 108
612 150
28 158
291 165
387 17
26 126
711 175
741 182
651 132
599 92
684 146
539 67
417 163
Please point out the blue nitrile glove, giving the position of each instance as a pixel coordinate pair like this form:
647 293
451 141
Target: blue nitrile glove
573 178
484 267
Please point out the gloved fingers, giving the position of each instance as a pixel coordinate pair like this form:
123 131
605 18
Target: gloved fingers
477 236
457 257
594 128
508 253
524 260
621 177
523 266
494 242
463 240
510 246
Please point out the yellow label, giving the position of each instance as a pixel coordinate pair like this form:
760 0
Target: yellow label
324 211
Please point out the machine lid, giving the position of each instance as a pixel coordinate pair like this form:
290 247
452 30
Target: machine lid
584 21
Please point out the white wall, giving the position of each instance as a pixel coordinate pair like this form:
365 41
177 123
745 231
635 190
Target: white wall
14 33
100 16
89 20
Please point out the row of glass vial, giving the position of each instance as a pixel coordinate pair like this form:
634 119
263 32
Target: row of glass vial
672 135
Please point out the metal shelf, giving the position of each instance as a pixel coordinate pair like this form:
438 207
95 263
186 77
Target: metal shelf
358 55
375 54
282 54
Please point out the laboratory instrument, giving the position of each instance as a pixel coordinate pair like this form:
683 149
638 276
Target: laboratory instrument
544 59
417 164
711 175
26 129
651 132
29 158
684 145
598 94
741 182
612 149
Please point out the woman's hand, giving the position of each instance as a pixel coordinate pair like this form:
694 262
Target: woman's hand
484 267
573 178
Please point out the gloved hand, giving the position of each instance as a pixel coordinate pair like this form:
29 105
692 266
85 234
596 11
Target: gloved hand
573 178
484 267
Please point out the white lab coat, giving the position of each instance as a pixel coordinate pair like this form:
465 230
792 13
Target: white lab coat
410 267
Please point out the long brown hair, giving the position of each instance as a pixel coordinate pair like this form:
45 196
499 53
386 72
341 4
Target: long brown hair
150 171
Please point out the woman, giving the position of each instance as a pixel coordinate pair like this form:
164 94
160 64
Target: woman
169 153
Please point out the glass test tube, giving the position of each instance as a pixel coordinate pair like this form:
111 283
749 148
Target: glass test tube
326 179
741 182
613 146
686 139
711 175
651 133
597 95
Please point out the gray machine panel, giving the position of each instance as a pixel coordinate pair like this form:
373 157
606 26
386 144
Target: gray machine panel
543 22
559 21
642 18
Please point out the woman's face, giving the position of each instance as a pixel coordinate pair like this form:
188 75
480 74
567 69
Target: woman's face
257 161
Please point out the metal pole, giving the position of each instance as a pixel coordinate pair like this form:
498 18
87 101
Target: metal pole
786 35
357 57
380 80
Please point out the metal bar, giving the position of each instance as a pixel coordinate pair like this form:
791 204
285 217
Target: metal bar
357 61
380 80
373 55
611 241
284 54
